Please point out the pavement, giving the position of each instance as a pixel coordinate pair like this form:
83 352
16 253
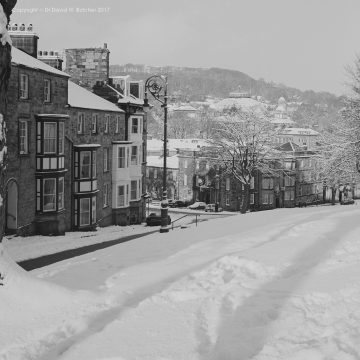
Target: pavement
62 249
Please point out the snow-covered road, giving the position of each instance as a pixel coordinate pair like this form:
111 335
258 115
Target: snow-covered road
280 284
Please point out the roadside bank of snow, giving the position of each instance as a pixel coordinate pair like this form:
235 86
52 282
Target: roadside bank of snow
35 314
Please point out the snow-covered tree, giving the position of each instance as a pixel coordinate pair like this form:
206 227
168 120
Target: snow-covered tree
340 144
245 142
6 7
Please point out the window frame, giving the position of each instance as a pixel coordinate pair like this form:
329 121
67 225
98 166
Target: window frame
25 151
47 91
135 126
80 123
94 123
134 156
24 91
106 159
53 194
54 139
107 124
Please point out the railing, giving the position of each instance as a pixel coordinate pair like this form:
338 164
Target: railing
196 219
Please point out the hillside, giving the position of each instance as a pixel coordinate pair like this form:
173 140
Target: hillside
195 83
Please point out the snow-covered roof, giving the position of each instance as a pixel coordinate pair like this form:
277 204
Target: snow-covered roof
290 146
299 131
81 98
188 144
124 99
182 108
287 121
172 162
245 104
21 58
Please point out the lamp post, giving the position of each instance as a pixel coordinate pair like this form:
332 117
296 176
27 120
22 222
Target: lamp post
156 85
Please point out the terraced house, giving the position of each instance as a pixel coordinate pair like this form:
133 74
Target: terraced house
71 161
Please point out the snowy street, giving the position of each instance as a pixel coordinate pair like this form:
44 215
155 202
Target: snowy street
269 285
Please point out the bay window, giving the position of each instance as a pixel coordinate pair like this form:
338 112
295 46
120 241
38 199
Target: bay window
133 193
121 158
50 137
134 155
50 194
121 195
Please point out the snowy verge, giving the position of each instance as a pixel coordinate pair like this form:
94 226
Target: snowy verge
35 314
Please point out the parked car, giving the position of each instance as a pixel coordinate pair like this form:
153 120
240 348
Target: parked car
155 219
177 204
212 208
198 205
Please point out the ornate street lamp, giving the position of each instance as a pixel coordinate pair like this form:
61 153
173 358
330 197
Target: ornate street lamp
156 85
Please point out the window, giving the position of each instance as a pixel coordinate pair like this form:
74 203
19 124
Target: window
94 123
155 173
106 159
118 124
185 180
93 210
121 157
81 123
84 211
61 193
267 183
49 195
47 90
227 199
85 164
289 195
185 164
107 122
252 199
24 86
134 155
61 137
106 195
252 183
289 181
133 194
93 164
227 184
135 126
23 137
49 138
121 196
267 199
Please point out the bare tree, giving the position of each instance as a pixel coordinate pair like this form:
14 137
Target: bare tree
340 151
246 143
6 7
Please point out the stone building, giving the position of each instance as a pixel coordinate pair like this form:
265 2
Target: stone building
23 37
88 65
72 162
52 58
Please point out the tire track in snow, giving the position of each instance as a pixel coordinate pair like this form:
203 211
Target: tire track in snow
97 324
259 310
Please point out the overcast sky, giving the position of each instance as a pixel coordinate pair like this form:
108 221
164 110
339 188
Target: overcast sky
301 43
